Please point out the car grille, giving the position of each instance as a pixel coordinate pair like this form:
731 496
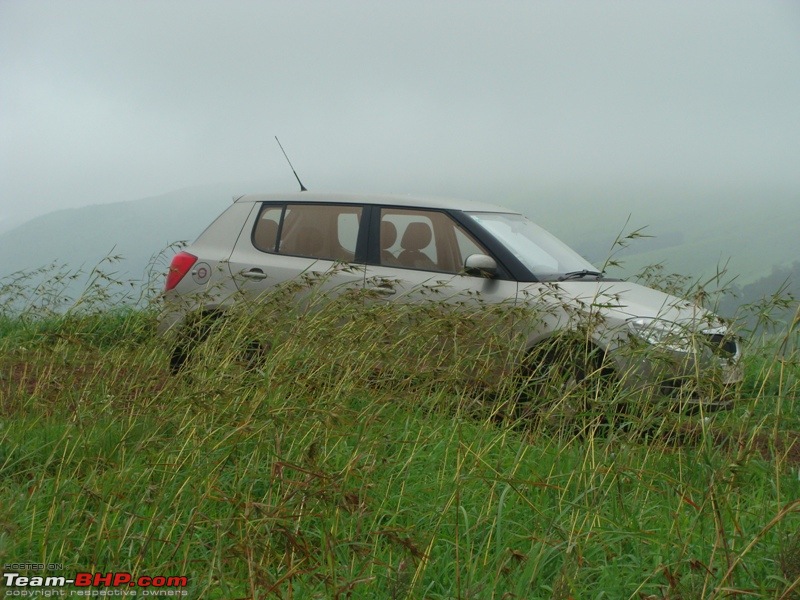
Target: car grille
723 345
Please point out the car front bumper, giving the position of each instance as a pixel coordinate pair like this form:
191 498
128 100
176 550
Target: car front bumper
686 382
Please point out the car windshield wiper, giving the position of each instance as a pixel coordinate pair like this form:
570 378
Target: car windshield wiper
580 274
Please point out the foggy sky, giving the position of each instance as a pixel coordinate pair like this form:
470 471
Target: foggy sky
109 101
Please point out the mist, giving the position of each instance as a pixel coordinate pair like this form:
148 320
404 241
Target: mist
542 101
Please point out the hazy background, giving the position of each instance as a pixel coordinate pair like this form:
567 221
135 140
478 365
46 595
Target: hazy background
684 116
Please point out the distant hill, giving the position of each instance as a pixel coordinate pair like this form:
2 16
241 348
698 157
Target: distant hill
137 230
750 239
750 232
9 224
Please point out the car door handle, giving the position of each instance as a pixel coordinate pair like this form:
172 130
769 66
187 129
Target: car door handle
382 290
256 274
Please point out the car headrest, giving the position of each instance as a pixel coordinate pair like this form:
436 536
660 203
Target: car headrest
388 235
417 236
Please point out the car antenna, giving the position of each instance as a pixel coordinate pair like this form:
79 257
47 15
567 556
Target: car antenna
302 187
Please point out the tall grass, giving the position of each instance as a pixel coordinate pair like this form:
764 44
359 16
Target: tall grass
342 450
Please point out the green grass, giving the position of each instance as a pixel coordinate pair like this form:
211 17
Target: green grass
328 470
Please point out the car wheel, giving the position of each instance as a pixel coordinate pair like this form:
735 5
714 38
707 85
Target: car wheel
568 385
192 334
252 354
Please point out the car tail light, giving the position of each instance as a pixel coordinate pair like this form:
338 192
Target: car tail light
178 268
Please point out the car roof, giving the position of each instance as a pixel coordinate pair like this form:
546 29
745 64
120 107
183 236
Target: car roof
385 199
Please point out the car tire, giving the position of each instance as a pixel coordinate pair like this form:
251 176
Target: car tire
192 334
568 385
252 355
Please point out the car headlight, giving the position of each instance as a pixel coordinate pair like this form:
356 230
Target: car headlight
722 342
663 334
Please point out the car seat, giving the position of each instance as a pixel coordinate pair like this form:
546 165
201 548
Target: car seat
416 237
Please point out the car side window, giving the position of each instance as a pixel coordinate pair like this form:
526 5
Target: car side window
347 228
423 239
324 231
265 234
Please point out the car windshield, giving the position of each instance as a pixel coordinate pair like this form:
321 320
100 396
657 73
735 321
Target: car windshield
547 257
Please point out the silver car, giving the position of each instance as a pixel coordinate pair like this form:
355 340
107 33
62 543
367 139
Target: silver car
396 247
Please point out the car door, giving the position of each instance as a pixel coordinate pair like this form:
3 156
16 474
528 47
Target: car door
320 245
418 254
416 259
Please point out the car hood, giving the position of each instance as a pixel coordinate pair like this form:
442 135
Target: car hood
624 300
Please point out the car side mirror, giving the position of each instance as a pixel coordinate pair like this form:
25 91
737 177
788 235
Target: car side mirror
480 265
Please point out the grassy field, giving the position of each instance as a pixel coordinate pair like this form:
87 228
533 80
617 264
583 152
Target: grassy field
325 470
